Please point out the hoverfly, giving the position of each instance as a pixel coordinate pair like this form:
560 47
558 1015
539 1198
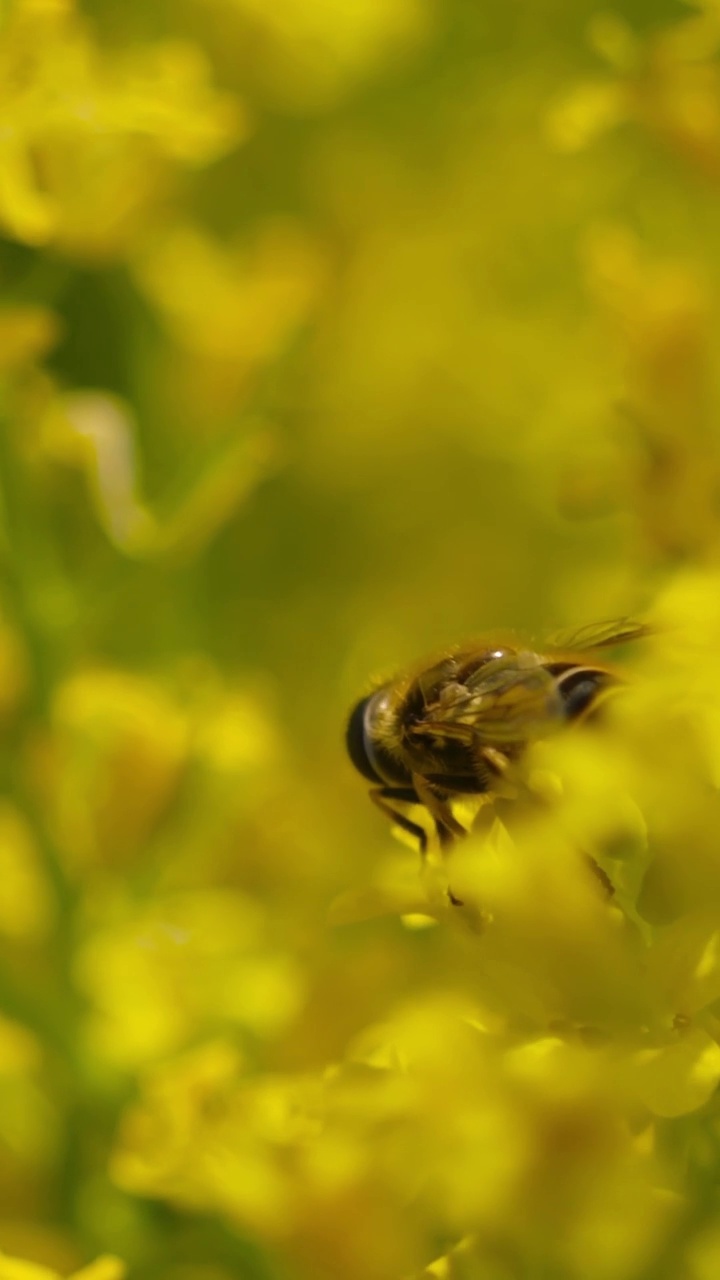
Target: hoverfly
454 727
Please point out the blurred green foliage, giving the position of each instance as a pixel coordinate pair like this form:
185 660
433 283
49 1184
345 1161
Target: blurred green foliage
330 333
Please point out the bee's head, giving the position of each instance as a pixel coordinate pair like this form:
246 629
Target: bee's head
364 739
357 740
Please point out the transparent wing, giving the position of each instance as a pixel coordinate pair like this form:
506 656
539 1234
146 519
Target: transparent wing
601 635
507 701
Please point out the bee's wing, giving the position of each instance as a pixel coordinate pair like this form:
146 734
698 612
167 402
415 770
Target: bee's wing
600 635
508 700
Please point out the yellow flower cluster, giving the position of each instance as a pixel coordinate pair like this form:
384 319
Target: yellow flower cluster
88 139
522 1102
668 84
325 338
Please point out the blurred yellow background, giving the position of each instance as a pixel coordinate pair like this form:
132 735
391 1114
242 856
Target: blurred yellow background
332 331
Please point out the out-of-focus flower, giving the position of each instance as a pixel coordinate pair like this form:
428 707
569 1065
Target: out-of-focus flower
311 54
660 319
122 748
431 1128
669 84
502 1059
119 753
104 1268
231 309
29 1120
90 138
25 902
158 976
26 333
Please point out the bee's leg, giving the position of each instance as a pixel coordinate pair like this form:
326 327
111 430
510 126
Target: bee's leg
387 798
435 800
494 761
447 826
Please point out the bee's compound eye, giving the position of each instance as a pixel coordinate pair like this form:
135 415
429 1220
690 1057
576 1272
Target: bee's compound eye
356 741
580 688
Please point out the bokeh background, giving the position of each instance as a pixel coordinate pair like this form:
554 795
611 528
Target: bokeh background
332 331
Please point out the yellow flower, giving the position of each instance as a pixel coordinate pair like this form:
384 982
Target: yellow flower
89 138
26 908
304 412
455 1134
231 309
157 978
121 746
26 333
668 84
105 1268
313 53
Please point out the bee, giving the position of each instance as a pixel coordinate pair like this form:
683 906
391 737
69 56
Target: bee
455 726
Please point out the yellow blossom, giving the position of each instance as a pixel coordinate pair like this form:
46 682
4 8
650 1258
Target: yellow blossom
105 1268
158 978
25 901
26 333
90 136
414 363
230 308
667 84
314 53
124 747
